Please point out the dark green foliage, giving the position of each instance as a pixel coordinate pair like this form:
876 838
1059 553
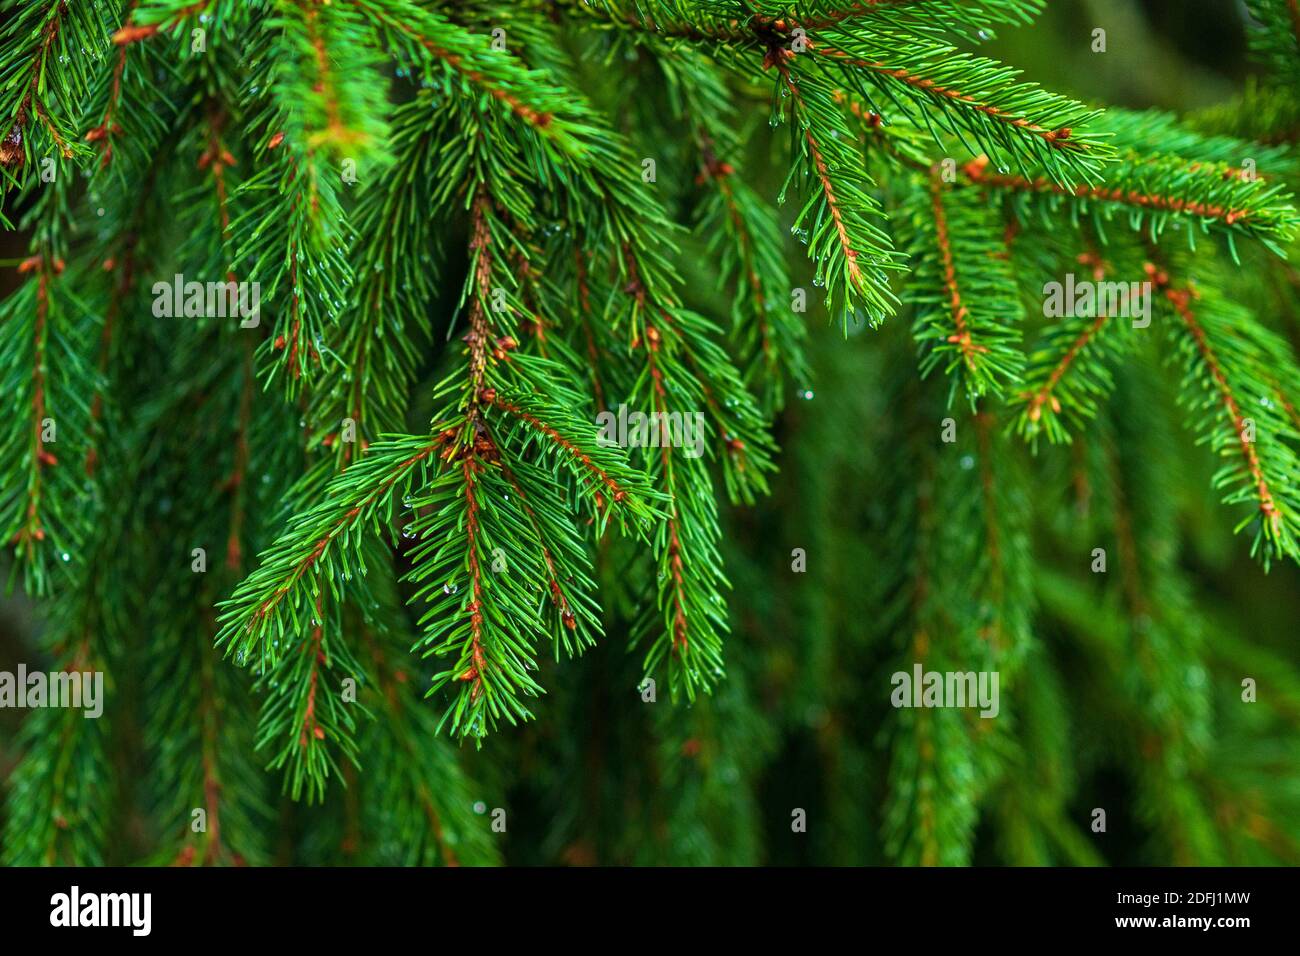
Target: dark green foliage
314 550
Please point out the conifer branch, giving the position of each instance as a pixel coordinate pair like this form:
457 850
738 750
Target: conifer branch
152 17
39 516
744 232
934 85
304 713
839 215
1222 350
461 53
274 601
964 295
739 22
108 126
1151 190
684 630
1068 373
31 39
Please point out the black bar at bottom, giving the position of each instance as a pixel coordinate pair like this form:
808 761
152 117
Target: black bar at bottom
440 906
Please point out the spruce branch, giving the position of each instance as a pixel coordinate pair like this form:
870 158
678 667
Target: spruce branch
1225 356
1069 371
742 22
839 218
973 19
600 475
484 633
447 53
273 607
151 17
684 627
42 361
1149 193
325 60
115 97
934 85
632 222
1150 133
744 233
304 714
470 523
422 479
671 19
297 229
42 85
388 302
60 797
963 293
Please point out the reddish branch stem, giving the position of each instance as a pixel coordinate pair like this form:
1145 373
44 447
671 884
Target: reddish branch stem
962 336
975 171
1042 396
571 449
675 565
131 33
651 341
558 597
478 662
536 118
719 172
1293 8
1056 138
108 126
11 152
823 174
303 566
33 530
338 131
311 729
1181 300
216 158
